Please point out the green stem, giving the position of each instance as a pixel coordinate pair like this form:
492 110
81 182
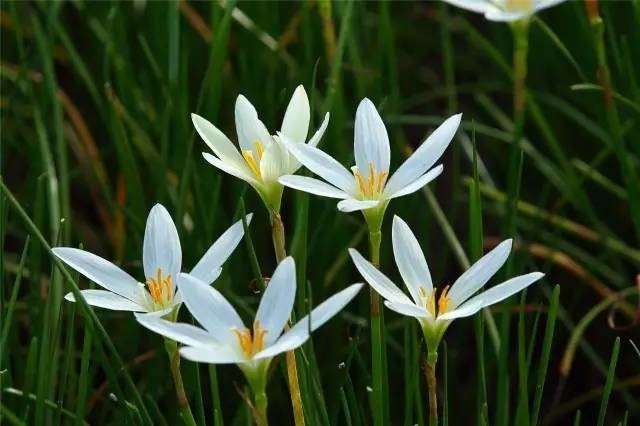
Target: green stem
260 401
377 337
430 374
629 173
183 402
277 235
520 52
292 368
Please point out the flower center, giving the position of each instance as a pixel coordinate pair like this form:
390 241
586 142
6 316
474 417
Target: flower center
160 288
251 343
372 185
253 157
429 300
517 5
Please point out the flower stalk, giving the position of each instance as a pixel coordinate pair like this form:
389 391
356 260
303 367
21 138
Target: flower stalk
278 237
430 374
377 325
171 347
277 234
260 401
257 378
520 30
629 173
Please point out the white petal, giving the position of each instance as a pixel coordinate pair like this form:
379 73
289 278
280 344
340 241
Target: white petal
249 127
108 300
410 260
377 279
327 309
479 273
274 162
295 124
425 156
277 300
416 184
161 246
313 186
217 141
180 332
371 142
497 15
294 164
287 342
409 310
102 272
502 291
210 308
351 205
323 165
315 139
212 355
543 4
466 310
209 266
242 173
299 333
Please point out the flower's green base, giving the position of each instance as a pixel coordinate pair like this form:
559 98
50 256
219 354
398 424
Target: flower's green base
375 216
271 195
256 374
433 334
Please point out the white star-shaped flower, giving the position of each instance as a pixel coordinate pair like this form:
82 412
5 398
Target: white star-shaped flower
435 313
162 262
262 158
368 186
226 340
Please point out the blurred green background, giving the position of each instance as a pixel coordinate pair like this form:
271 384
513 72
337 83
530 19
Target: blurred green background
96 100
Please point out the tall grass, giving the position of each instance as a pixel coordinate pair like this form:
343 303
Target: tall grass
95 101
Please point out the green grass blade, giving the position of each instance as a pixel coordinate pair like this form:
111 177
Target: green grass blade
608 385
545 355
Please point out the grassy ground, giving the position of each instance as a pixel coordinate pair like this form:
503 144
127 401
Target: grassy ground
95 108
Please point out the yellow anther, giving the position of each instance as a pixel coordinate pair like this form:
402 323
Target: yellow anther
372 186
250 158
381 180
431 303
160 287
359 181
251 343
371 181
429 300
443 301
259 149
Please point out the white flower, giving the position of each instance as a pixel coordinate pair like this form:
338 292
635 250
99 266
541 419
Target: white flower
455 301
226 340
162 260
366 186
262 158
504 10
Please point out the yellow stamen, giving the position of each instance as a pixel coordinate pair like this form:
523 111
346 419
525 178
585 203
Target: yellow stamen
443 301
381 180
251 343
250 158
359 181
372 186
371 181
160 287
429 300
